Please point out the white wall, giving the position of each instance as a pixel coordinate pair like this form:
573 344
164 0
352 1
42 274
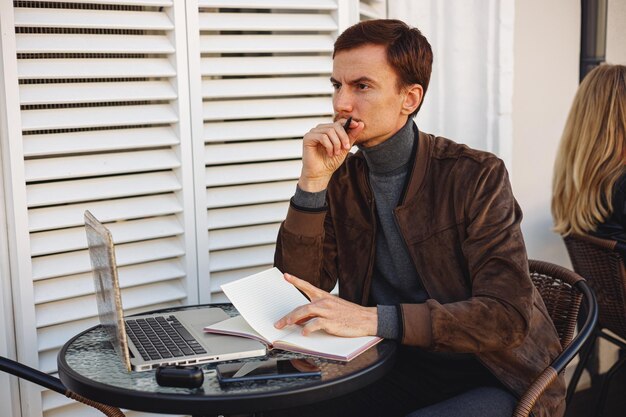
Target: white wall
547 48
616 32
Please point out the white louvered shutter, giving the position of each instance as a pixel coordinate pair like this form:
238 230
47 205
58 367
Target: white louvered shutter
263 82
104 111
179 125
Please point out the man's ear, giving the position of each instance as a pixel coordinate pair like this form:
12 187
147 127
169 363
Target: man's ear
412 99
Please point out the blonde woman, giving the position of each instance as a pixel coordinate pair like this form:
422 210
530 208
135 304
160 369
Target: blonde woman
589 187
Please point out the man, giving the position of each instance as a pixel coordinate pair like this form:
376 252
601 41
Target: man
422 236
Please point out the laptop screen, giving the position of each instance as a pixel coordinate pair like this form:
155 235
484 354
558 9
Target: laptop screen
108 296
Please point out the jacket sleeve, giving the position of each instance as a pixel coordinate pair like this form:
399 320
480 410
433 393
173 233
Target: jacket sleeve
497 314
306 247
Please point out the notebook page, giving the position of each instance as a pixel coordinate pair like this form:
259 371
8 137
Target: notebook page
262 299
327 345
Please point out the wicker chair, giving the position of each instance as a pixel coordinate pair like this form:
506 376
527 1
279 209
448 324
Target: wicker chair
562 292
601 262
55 384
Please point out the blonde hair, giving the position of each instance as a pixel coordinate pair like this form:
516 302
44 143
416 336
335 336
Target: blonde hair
592 152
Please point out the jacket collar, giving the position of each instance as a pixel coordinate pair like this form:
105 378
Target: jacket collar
421 160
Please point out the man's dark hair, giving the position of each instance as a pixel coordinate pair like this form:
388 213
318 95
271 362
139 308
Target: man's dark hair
408 51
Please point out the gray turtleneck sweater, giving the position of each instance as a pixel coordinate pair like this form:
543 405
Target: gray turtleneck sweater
395 280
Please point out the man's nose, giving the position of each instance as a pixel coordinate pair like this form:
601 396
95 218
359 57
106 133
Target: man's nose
343 101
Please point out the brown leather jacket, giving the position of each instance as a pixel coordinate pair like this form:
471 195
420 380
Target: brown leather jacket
461 225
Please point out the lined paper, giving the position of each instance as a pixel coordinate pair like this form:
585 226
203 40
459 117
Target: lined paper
264 298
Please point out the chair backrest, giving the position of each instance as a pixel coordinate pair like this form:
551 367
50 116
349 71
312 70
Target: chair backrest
561 297
602 265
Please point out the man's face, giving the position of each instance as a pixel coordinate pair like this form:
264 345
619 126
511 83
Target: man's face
366 88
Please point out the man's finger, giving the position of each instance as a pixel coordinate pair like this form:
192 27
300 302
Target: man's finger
318 323
299 315
355 132
309 289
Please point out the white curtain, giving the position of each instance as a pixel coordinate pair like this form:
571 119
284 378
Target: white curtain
471 88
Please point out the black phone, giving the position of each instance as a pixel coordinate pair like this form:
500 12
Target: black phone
268 369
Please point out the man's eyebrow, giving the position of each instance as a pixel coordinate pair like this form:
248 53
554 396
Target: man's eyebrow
356 81
362 80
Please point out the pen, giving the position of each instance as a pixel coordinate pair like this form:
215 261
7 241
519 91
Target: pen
346 126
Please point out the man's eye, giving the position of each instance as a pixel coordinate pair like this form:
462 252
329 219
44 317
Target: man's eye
363 86
336 86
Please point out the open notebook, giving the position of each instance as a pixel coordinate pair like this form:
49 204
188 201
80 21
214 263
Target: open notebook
264 298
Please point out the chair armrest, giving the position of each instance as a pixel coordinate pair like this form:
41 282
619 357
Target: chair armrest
532 394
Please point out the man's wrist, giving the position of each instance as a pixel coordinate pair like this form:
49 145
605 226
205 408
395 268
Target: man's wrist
388 324
307 200
313 185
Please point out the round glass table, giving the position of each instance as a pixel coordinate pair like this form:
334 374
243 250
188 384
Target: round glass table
88 365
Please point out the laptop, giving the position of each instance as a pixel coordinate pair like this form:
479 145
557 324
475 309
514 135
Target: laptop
151 340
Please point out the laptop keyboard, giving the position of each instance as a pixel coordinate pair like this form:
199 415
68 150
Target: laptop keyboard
162 338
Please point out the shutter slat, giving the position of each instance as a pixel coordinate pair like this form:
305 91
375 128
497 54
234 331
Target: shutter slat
98 140
265 43
81 117
73 263
101 188
219 297
130 276
247 215
271 4
68 215
259 87
261 129
92 44
95 92
250 194
99 164
77 18
219 278
53 337
263 108
266 65
243 236
241 258
253 151
77 308
267 22
94 68
367 11
57 405
118 2
65 240
252 173
372 9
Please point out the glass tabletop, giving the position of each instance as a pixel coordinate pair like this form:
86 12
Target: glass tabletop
89 366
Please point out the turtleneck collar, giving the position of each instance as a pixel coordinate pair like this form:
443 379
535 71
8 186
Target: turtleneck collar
393 154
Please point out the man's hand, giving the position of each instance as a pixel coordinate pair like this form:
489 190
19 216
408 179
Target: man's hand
329 313
324 148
